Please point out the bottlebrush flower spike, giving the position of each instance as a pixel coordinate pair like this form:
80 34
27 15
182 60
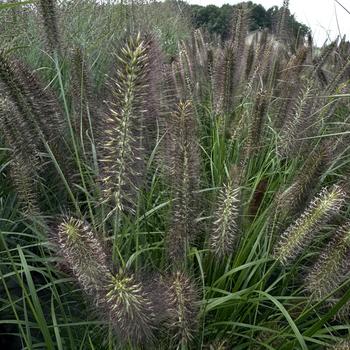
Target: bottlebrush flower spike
290 89
343 345
38 107
225 228
338 78
261 65
119 296
321 60
256 122
182 301
82 252
230 69
282 28
293 198
24 179
38 115
220 345
49 18
122 136
16 133
183 170
130 309
24 154
301 233
299 121
84 102
332 266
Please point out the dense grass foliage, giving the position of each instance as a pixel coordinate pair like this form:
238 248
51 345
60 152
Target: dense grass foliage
159 190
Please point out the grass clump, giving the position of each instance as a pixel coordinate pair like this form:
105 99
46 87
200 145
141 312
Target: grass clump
169 205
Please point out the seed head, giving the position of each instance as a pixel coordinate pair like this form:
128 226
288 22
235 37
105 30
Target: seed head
301 233
224 233
332 266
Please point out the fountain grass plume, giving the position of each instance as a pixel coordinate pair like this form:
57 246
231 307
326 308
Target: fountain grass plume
49 18
84 102
24 157
298 121
130 309
298 236
230 68
256 122
224 233
333 265
182 301
82 253
37 106
119 296
342 345
122 135
292 200
184 177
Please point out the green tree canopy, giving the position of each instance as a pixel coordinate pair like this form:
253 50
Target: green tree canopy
217 20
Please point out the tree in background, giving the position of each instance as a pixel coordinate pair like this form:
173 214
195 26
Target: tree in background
217 20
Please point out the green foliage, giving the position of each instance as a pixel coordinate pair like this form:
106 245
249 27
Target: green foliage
217 20
10 5
173 199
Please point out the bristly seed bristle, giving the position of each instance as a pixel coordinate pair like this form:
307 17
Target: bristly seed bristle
332 266
49 17
182 301
230 69
130 309
82 252
38 107
123 136
299 120
300 234
182 168
84 101
256 122
119 296
24 155
223 236
299 192
342 345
